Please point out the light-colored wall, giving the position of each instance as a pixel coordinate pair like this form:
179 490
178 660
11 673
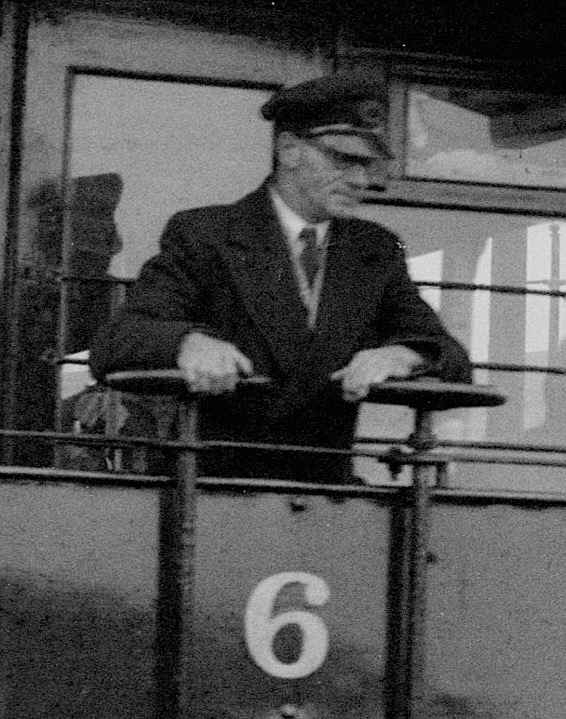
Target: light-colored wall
78 588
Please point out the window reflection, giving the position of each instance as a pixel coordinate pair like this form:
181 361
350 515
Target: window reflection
507 328
141 150
176 145
486 136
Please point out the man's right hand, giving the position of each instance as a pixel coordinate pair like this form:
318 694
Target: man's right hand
210 365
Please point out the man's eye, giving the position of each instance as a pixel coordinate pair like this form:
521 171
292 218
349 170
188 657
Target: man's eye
346 161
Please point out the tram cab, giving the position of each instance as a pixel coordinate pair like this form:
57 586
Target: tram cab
131 586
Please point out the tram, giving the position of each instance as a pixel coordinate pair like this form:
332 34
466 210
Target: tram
131 586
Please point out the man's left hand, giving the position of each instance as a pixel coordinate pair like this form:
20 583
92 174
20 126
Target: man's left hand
373 366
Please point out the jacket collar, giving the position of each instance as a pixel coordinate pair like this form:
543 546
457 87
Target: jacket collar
257 256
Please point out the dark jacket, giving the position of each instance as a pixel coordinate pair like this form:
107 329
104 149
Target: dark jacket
225 270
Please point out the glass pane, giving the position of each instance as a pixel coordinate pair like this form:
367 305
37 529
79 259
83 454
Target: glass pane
141 150
506 328
486 136
172 145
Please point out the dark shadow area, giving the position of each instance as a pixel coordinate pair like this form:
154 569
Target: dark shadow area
73 654
93 241
292 23
525 33
230 686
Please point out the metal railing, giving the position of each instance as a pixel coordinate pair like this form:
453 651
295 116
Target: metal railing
178 505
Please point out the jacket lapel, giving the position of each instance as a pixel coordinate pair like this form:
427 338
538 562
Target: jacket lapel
356 269
257 257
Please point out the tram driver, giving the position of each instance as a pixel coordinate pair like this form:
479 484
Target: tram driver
287 283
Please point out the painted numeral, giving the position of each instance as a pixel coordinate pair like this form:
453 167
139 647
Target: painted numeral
261 625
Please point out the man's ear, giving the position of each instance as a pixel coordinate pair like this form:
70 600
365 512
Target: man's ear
288 149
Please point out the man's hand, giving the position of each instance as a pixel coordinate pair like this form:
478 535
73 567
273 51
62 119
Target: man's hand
370 367
210 365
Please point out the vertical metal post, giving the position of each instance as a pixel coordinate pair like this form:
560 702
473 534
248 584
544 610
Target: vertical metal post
174 673
407 594
18 27
421 440
397 603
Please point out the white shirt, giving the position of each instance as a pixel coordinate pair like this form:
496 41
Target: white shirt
292 225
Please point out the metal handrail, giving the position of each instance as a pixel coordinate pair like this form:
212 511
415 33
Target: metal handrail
443 284
499 289
71 476
498 453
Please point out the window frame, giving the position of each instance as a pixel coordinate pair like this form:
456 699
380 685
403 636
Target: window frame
405 190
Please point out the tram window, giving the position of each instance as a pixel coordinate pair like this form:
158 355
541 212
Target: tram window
470 142
140 150
486 136
506 328
175 145
147 148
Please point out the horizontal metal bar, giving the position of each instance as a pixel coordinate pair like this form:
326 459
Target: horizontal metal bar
463 444
485 497
495 366
382 492
66 360
504 446
281 486
502 289
475 458
175 445
98 440
107 280
382 455
501 367
10 474
442 284
273 486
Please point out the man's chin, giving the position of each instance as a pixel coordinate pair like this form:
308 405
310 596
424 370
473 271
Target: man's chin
345 206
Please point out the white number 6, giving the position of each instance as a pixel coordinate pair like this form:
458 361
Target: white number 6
261 626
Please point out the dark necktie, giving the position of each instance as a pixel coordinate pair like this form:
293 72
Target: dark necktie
310 256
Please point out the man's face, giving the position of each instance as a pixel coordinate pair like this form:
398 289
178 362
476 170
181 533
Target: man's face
331 174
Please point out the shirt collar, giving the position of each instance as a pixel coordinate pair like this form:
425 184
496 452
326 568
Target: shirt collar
292 223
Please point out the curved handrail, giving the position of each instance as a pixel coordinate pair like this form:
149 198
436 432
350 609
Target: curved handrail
163 381
422 393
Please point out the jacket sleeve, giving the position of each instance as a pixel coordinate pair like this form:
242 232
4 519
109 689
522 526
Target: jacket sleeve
168 301
408 320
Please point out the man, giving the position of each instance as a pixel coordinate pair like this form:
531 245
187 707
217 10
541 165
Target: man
238 290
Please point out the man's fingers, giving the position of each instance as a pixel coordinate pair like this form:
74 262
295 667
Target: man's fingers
243 364
199 381
357 378
218 373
